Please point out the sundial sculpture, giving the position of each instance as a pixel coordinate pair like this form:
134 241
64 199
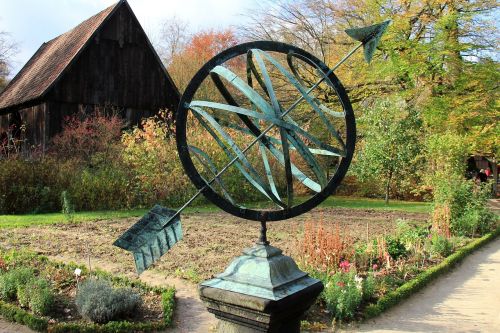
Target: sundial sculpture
281 119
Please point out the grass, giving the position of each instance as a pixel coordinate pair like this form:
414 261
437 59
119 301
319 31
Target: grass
14 221
377 204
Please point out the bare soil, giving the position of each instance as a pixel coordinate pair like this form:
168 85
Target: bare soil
211 241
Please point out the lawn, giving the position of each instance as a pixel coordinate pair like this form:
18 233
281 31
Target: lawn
13 221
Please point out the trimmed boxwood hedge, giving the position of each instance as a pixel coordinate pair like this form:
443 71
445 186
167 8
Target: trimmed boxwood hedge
403 292
13 313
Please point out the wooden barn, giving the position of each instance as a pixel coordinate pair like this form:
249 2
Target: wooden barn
107 61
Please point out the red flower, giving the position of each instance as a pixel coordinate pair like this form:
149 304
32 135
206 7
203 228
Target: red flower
341 284
345 265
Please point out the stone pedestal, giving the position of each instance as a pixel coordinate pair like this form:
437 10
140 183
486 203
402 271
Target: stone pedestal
260 291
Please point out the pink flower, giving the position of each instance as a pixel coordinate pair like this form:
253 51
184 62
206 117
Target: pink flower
345 265
341 284
375 267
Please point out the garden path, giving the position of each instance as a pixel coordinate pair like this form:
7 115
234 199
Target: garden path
6 327
465 300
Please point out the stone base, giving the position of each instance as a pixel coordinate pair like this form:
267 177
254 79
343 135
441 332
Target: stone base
241 313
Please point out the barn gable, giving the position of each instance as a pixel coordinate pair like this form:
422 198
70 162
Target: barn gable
73 68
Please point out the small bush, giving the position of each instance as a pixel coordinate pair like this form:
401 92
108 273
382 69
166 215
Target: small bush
395 247
23 295
474 222
99 302
100 188
41 297
12 280
92 139
441 245
467 205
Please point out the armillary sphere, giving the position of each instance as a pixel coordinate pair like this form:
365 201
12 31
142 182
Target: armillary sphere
267 121
262 122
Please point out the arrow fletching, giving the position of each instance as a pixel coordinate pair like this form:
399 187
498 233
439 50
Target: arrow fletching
151 237
369 36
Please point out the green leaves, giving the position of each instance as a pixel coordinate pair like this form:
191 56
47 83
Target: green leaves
391 143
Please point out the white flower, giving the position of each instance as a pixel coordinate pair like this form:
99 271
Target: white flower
359 281
78 272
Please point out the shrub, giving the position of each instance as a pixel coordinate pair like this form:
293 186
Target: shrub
395 247
100 188
12 280
92 139
99 302
29 186
41 298
23 295
150 153
466 205
37 295
441 245
474 222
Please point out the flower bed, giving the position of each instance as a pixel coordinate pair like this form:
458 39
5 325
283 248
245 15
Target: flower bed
152 310
364 278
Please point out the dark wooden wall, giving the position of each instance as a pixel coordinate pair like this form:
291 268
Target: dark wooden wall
34 119
117 68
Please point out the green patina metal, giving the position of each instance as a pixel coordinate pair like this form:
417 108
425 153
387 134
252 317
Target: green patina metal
262 271
151 237
369 36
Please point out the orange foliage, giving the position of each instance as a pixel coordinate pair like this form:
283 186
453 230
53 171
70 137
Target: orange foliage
200 48
441 219
206 44
324 247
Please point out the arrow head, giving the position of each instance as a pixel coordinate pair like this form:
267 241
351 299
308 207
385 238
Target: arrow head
369 36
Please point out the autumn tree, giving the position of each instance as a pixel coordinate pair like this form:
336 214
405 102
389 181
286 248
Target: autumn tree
190 52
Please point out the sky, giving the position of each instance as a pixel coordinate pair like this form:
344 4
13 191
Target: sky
32 22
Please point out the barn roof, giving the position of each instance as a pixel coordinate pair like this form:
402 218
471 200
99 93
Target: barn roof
50 61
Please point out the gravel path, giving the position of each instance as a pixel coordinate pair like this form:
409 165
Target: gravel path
6 327
465 300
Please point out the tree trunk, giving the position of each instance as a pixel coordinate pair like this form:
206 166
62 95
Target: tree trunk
387 188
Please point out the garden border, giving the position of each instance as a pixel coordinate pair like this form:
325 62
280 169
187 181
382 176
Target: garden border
394 297
15 314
